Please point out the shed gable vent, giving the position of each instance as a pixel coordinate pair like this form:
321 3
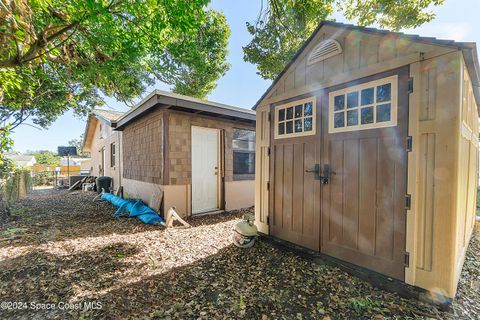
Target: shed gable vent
324 50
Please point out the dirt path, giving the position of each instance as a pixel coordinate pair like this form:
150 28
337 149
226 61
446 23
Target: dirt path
68 258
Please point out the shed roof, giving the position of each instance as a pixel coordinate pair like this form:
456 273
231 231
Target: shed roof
174 101
469 50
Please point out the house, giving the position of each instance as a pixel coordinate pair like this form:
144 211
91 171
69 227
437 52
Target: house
21 160
367 151
103 144
175 150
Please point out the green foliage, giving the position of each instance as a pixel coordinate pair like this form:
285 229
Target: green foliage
47 158
6 143
284 25
362 305
78 143
43 178
57 55
12 184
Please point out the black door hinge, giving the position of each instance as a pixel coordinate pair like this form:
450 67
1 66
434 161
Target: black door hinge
268 151
406 261
268 186
410 85
409 144
269 116
408 201
268 220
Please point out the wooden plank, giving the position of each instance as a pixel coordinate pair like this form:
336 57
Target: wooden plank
351 196
336 200
298 187
309 193
385 198
367 195
288 187
278 185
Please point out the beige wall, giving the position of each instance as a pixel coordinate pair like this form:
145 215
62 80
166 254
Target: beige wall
262 167
442 173
239 194
103 137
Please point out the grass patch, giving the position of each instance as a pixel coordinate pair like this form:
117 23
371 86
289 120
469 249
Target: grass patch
10 232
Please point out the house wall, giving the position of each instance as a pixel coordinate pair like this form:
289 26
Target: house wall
149 173
143 149
442 168
238 194
103 137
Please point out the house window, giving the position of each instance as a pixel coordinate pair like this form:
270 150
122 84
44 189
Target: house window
367 106
112 154
295 118
243 146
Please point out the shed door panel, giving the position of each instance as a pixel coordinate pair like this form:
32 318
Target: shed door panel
363 211
294 193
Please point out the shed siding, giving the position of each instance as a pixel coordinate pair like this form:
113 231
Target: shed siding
443 122
361 51
442 173
262 160
143 149
467 177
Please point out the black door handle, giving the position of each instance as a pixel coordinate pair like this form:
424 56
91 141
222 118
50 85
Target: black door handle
327 173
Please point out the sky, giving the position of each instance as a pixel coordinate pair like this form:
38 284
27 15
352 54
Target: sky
241 86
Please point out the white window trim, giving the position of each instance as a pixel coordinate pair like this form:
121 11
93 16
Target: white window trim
393 80
311 99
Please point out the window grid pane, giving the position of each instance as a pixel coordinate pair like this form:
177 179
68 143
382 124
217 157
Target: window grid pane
363 107
295 119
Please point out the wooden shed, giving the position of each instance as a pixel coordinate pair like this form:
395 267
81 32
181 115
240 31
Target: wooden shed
367 151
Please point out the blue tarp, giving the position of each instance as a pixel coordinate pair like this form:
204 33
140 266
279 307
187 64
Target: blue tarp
134 208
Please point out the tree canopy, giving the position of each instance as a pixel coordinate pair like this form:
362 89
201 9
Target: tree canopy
57 55
283 26
45 157
78 143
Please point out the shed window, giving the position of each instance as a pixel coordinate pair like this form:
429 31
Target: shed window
243 145
112 155
367 106
297 118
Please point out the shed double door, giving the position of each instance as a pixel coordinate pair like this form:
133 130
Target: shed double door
358 215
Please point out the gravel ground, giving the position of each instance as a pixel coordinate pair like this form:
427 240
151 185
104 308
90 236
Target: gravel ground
65 257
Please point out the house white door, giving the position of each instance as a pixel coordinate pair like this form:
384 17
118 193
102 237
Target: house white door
205 169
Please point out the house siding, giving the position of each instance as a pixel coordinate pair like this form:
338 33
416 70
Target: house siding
180 140
103 137
143 149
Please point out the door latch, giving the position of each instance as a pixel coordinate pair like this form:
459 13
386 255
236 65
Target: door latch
327 173
316 171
